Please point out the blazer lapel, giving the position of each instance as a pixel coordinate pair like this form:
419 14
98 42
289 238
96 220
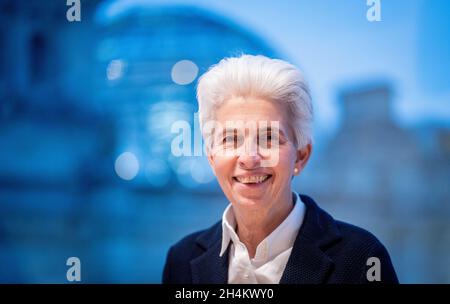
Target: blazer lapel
209 267
308 263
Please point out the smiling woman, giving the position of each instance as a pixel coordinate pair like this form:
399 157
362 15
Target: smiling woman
268 233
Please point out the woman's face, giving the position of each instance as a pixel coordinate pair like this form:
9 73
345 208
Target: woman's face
251 170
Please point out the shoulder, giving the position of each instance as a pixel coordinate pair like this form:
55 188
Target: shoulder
177 266
358 242
352 249
356 236
358 251
320 225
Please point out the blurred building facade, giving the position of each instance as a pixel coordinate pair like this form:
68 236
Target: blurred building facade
77 95
74 96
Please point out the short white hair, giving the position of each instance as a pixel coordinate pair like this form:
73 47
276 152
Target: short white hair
258 76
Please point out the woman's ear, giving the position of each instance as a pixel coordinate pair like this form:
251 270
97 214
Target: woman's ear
303 157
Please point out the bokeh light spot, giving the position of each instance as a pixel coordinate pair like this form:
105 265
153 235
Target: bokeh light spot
184 72
127 166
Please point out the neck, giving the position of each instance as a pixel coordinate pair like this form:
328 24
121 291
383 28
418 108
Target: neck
253 226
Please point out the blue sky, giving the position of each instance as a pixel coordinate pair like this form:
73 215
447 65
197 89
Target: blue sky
337 47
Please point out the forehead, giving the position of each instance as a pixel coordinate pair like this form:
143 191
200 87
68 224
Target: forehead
251 109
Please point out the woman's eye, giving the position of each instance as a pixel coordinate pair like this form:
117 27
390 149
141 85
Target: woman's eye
271 141
265 141
231 140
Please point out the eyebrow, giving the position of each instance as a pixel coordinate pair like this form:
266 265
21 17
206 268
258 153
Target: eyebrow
268 129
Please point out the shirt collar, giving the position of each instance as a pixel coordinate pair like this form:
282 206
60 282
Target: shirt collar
282 238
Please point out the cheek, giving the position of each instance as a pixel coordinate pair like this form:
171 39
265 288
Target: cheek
285 164
223 166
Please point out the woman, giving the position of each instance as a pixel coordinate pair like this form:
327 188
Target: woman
256 114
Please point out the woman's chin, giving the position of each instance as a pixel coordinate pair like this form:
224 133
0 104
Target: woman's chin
251 195
251 200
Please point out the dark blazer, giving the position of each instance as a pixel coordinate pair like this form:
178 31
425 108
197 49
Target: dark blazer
325 251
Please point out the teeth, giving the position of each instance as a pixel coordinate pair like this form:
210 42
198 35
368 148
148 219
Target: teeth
255 179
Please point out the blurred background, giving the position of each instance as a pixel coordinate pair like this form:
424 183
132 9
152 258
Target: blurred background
86 109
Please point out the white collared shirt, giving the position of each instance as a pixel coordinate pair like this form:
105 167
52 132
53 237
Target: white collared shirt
272 253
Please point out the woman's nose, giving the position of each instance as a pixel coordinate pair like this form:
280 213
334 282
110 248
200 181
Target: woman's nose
247 161
249 157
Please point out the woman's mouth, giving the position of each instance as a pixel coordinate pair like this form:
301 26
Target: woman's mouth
252 180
